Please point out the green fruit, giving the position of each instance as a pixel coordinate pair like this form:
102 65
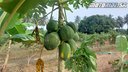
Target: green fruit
73 45
52 26
73 26
76 36
65 51
51 41
66 33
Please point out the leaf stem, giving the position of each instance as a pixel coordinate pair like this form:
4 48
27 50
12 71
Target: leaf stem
122 61
47 14
2 17
51 11
65 15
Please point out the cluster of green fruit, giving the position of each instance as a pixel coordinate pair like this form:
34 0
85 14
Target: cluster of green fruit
64 38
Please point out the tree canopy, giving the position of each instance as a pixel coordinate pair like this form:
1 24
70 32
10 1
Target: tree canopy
96 23
119 22
126 19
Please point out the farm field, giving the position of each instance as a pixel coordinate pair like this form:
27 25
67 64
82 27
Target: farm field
18 61
63 36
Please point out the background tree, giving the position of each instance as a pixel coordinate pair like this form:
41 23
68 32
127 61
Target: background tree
119 22
96 23
77 19
126 21
85 17
110 16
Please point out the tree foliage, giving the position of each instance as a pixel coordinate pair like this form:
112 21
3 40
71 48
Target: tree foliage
96 23
83 60
37 7
119 22
126 19
28 6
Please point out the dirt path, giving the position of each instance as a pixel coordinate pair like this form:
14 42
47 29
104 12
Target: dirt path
102 62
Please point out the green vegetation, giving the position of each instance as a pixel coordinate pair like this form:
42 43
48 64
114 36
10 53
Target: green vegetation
84 59
122 46
102 23
96 24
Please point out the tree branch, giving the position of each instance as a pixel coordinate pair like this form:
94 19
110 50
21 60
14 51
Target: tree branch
52 11
47 14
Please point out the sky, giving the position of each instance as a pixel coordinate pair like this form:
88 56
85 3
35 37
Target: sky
93 11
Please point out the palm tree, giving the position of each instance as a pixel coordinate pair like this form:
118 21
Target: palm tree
119 22
126 19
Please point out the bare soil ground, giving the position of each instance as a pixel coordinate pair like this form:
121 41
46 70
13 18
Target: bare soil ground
103 62
18 61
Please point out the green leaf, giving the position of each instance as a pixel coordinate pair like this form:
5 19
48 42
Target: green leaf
121 43
18 29
26 6
15 20
77 3
2 17
22 38
66 6
1 0
28 24
93 61
83 60
12 31
8 6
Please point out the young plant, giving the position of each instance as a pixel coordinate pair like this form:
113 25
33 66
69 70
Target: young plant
121 45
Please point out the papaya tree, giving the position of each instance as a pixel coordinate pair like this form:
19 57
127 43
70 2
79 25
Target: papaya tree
20 8
122 46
